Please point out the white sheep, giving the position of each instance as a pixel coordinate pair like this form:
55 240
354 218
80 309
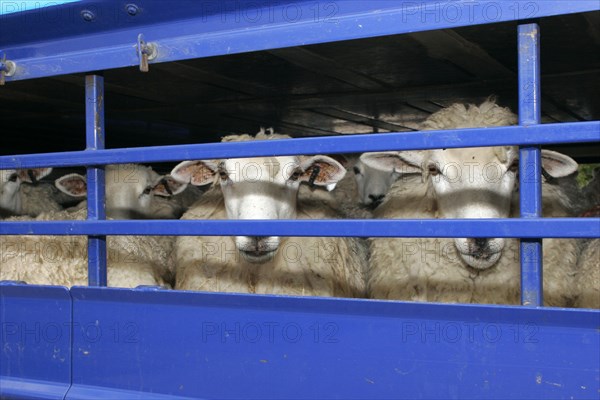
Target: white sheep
133 191
372 183
266 188
588 271
20 194
360 191
465 183
61 260
587 285
342 196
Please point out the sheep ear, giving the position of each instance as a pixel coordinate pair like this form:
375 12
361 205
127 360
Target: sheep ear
197 173
401 162
167 186
72 184
558 165
32 175
322 171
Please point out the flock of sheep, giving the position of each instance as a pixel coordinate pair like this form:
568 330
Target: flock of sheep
443 183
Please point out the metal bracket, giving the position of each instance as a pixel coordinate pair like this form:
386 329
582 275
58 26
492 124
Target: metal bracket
7 68
146 52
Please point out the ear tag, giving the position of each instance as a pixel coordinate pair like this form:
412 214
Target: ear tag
313 175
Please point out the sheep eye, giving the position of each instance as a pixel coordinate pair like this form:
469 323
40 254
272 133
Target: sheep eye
514 167
295 175
356 170
223 175
13 177
147 190
433 170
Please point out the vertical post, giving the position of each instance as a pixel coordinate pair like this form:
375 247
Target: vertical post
530 170
94 115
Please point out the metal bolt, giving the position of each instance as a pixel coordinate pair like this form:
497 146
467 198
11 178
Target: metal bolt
132 9
87 15
7 67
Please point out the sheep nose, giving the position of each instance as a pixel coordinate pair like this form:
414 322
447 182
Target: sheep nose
376 199
481 243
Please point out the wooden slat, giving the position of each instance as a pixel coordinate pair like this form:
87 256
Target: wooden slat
321 65
361 119
449 45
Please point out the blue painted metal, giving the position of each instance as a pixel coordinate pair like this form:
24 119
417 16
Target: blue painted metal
506 228
579 132
243 346
127 343
214 27
94 110
35 342
530 167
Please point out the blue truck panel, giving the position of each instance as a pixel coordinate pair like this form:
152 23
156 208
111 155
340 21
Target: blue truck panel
147 343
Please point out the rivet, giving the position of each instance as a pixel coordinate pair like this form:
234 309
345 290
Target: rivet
132 9
87 15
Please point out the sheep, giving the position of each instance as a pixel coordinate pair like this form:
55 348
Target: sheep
588 275
372 183
62 260
342 196
132 260
173 207
266 188
359 192
465 183
132 192
20 196
591 192
588 265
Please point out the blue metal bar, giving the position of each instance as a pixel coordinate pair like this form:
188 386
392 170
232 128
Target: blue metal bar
577 132
505 228
188 30
94 112
530 167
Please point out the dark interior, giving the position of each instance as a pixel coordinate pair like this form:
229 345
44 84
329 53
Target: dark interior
371 85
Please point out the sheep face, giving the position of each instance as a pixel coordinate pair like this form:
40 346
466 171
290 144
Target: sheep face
260 188
10 182
372 183
474 183
466 183
130 190
471 183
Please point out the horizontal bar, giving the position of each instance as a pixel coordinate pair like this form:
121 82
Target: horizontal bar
574 132
443 228
187 30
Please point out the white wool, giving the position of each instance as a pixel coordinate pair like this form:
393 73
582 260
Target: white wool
313 266
588 275
36 199
430 269
62 260
344 198
32 200
459 115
